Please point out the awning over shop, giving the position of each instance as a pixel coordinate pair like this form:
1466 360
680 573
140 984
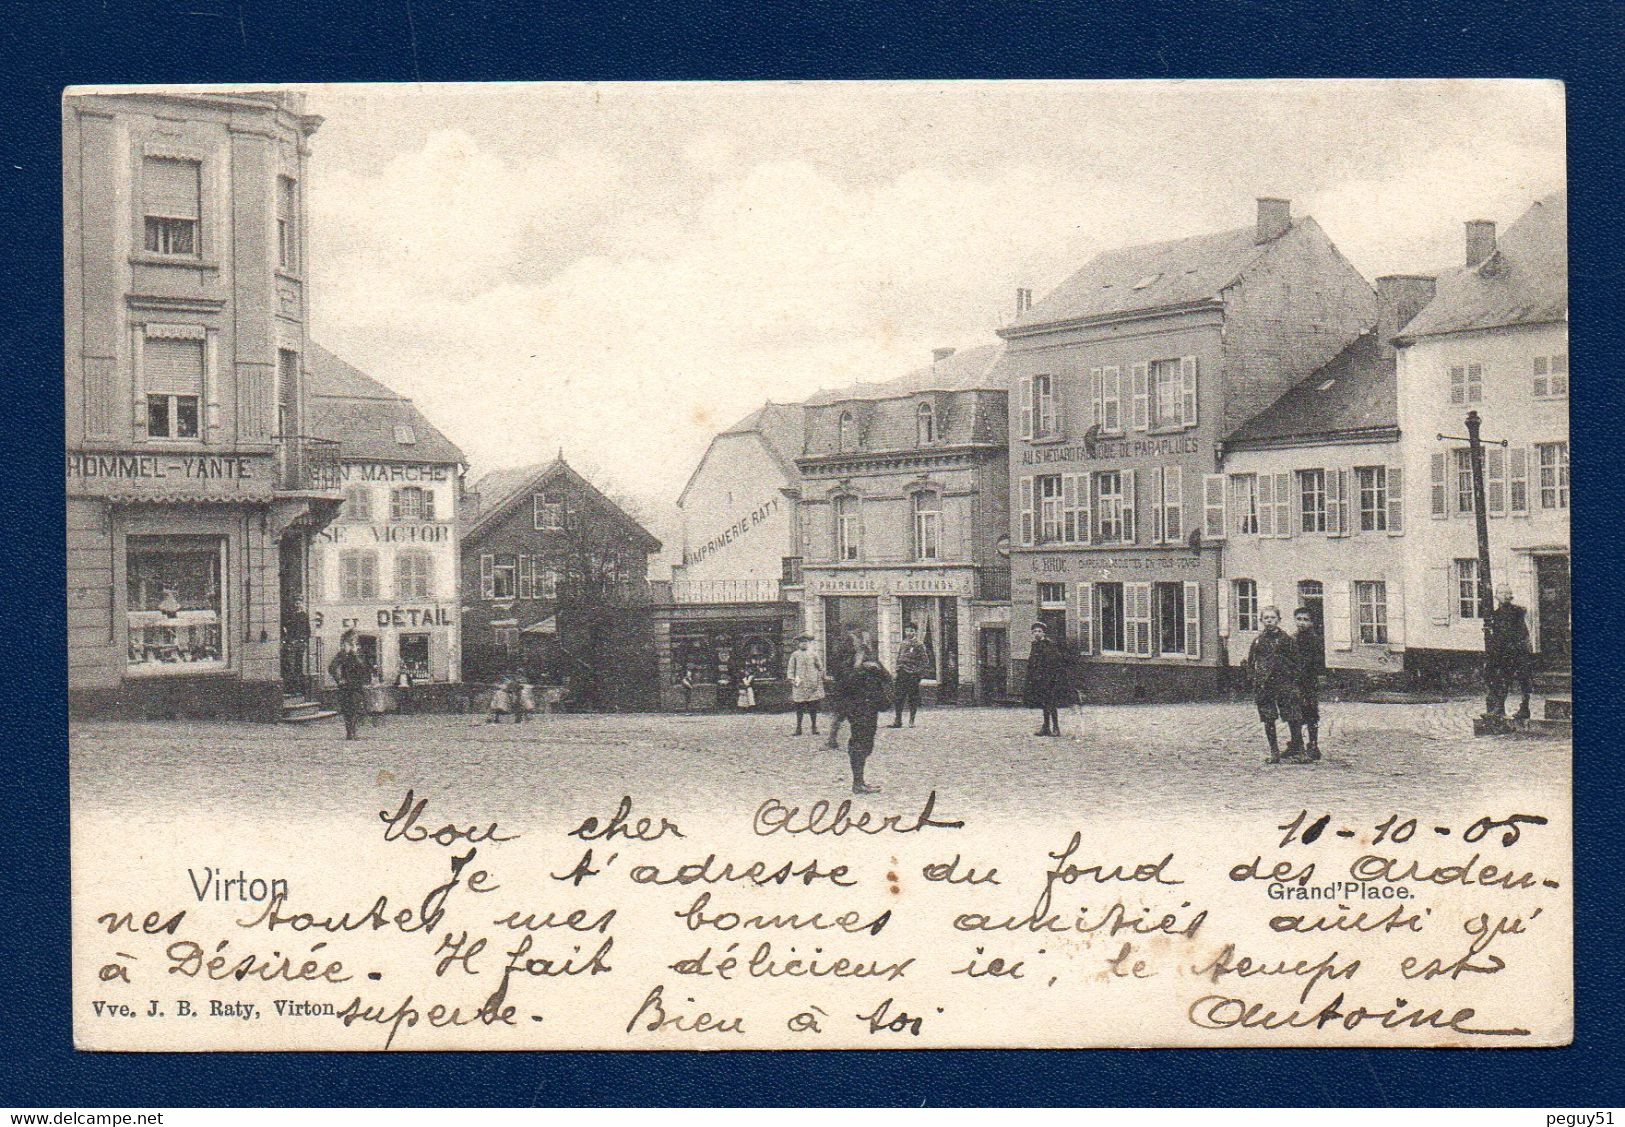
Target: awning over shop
548 625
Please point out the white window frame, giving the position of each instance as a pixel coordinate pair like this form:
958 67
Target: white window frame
501 571
1371 611
1372 484
1046 416
1551 376
151 213
1244 499
1465 606
547 584
848 529
1554 474
1047 490
927 507
1316 519
1245 595
546 515
1466 384
1108 506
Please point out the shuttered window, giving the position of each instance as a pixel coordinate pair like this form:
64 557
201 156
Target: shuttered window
358 575
414 575
1086 618
172 375
171 205
1142 397
1215 518
1193 619
1137 618
1024 488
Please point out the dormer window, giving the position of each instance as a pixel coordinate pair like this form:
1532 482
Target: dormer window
405 435
846 433
926 424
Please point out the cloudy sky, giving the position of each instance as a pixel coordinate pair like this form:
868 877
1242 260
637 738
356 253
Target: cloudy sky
622 270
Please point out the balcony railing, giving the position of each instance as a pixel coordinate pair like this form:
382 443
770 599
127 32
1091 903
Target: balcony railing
310 464
724 591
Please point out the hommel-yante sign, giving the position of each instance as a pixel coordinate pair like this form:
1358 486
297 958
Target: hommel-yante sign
163 472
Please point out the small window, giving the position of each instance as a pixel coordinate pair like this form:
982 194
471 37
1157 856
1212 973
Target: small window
505 637
405 435
846 433
1551 379
1373 486
1467 602
171 211
1554 474
411 503
358 505
926 424
414 654
1046 421
547 515
358 575
172 416
1371 606
1246 605
504 577
173 373
287 229
414 575
1467 383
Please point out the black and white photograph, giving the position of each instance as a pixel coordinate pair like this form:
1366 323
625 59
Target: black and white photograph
825 565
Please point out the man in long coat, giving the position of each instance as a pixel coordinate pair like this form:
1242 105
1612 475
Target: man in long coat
1508 660
1275 669
841 665
350 672
1048 680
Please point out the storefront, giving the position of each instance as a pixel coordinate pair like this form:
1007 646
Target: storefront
416 641
881 603
707 650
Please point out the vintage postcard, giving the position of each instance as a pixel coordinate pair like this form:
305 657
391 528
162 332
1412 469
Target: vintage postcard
818 566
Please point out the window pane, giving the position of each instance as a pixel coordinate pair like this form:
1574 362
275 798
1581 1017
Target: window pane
174 610
158 416
186 416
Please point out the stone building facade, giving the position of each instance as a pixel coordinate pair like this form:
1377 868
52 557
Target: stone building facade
192 489
388 567
903 510
1123 383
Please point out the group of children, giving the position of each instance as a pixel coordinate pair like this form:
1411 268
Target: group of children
513 696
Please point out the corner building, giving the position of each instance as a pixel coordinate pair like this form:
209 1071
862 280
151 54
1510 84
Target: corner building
192 491
1123 382
903 507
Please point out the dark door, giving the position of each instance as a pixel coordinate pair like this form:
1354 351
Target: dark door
1312 597
993 662
1552 586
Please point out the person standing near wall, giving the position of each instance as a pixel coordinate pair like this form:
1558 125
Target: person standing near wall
841 666
868 691
913 663
1272 663
1311 664
350 672
1047 680
1508 660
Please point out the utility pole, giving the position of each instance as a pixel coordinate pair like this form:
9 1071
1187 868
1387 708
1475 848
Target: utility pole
1481 519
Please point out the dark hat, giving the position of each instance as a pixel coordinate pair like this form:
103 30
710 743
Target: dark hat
1040 626
806 638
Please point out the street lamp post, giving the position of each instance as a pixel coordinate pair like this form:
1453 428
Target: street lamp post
1486 587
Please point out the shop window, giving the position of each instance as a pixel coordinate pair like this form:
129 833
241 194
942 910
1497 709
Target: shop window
926 613
845 614
1109 608
1246 593
411 503
724 653
414 654
1371 606
170 189
175 602
414 575
358 575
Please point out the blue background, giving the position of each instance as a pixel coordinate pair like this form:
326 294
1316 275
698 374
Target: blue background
46 46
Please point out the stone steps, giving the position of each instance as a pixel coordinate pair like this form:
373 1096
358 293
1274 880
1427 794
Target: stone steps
298 710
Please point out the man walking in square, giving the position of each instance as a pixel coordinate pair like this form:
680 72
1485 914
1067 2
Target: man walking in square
1272 663
913 663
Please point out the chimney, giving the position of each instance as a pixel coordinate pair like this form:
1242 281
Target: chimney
1274 219
1024 300
1400 297
1480 240
940 354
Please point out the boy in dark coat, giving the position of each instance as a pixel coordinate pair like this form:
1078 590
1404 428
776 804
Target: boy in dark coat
1311 664
868 692
1048 680
1508 659
350 672
1273 664
913 663
841 666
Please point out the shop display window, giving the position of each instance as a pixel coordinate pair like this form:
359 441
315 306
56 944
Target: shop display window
414 655
724 654
175 610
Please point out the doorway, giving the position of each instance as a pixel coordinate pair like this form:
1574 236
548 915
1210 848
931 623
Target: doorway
294 613
1312 597
993 662
1554 622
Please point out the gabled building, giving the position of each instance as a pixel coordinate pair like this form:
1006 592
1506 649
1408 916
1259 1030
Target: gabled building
1123 382
903 508
388 567
733 599
1312 509
1493 340
556 584
192 486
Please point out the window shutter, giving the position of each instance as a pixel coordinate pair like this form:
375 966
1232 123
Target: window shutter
1439 593
1338 596
1025 487
1518 481
488 583
172 367
1336 481
1495 481
1215 521
1086 618
170 187
1157 532
1439 494
1266 504
1187 390
1140 375
1137 600
1193 619
1027 407
428 504
1130 530
1396 614
1097 399
371 571
1173 498
522 585
394 504
1295 485
1283 504
1112 377
1086 529
1223 594
403 576
1396 501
